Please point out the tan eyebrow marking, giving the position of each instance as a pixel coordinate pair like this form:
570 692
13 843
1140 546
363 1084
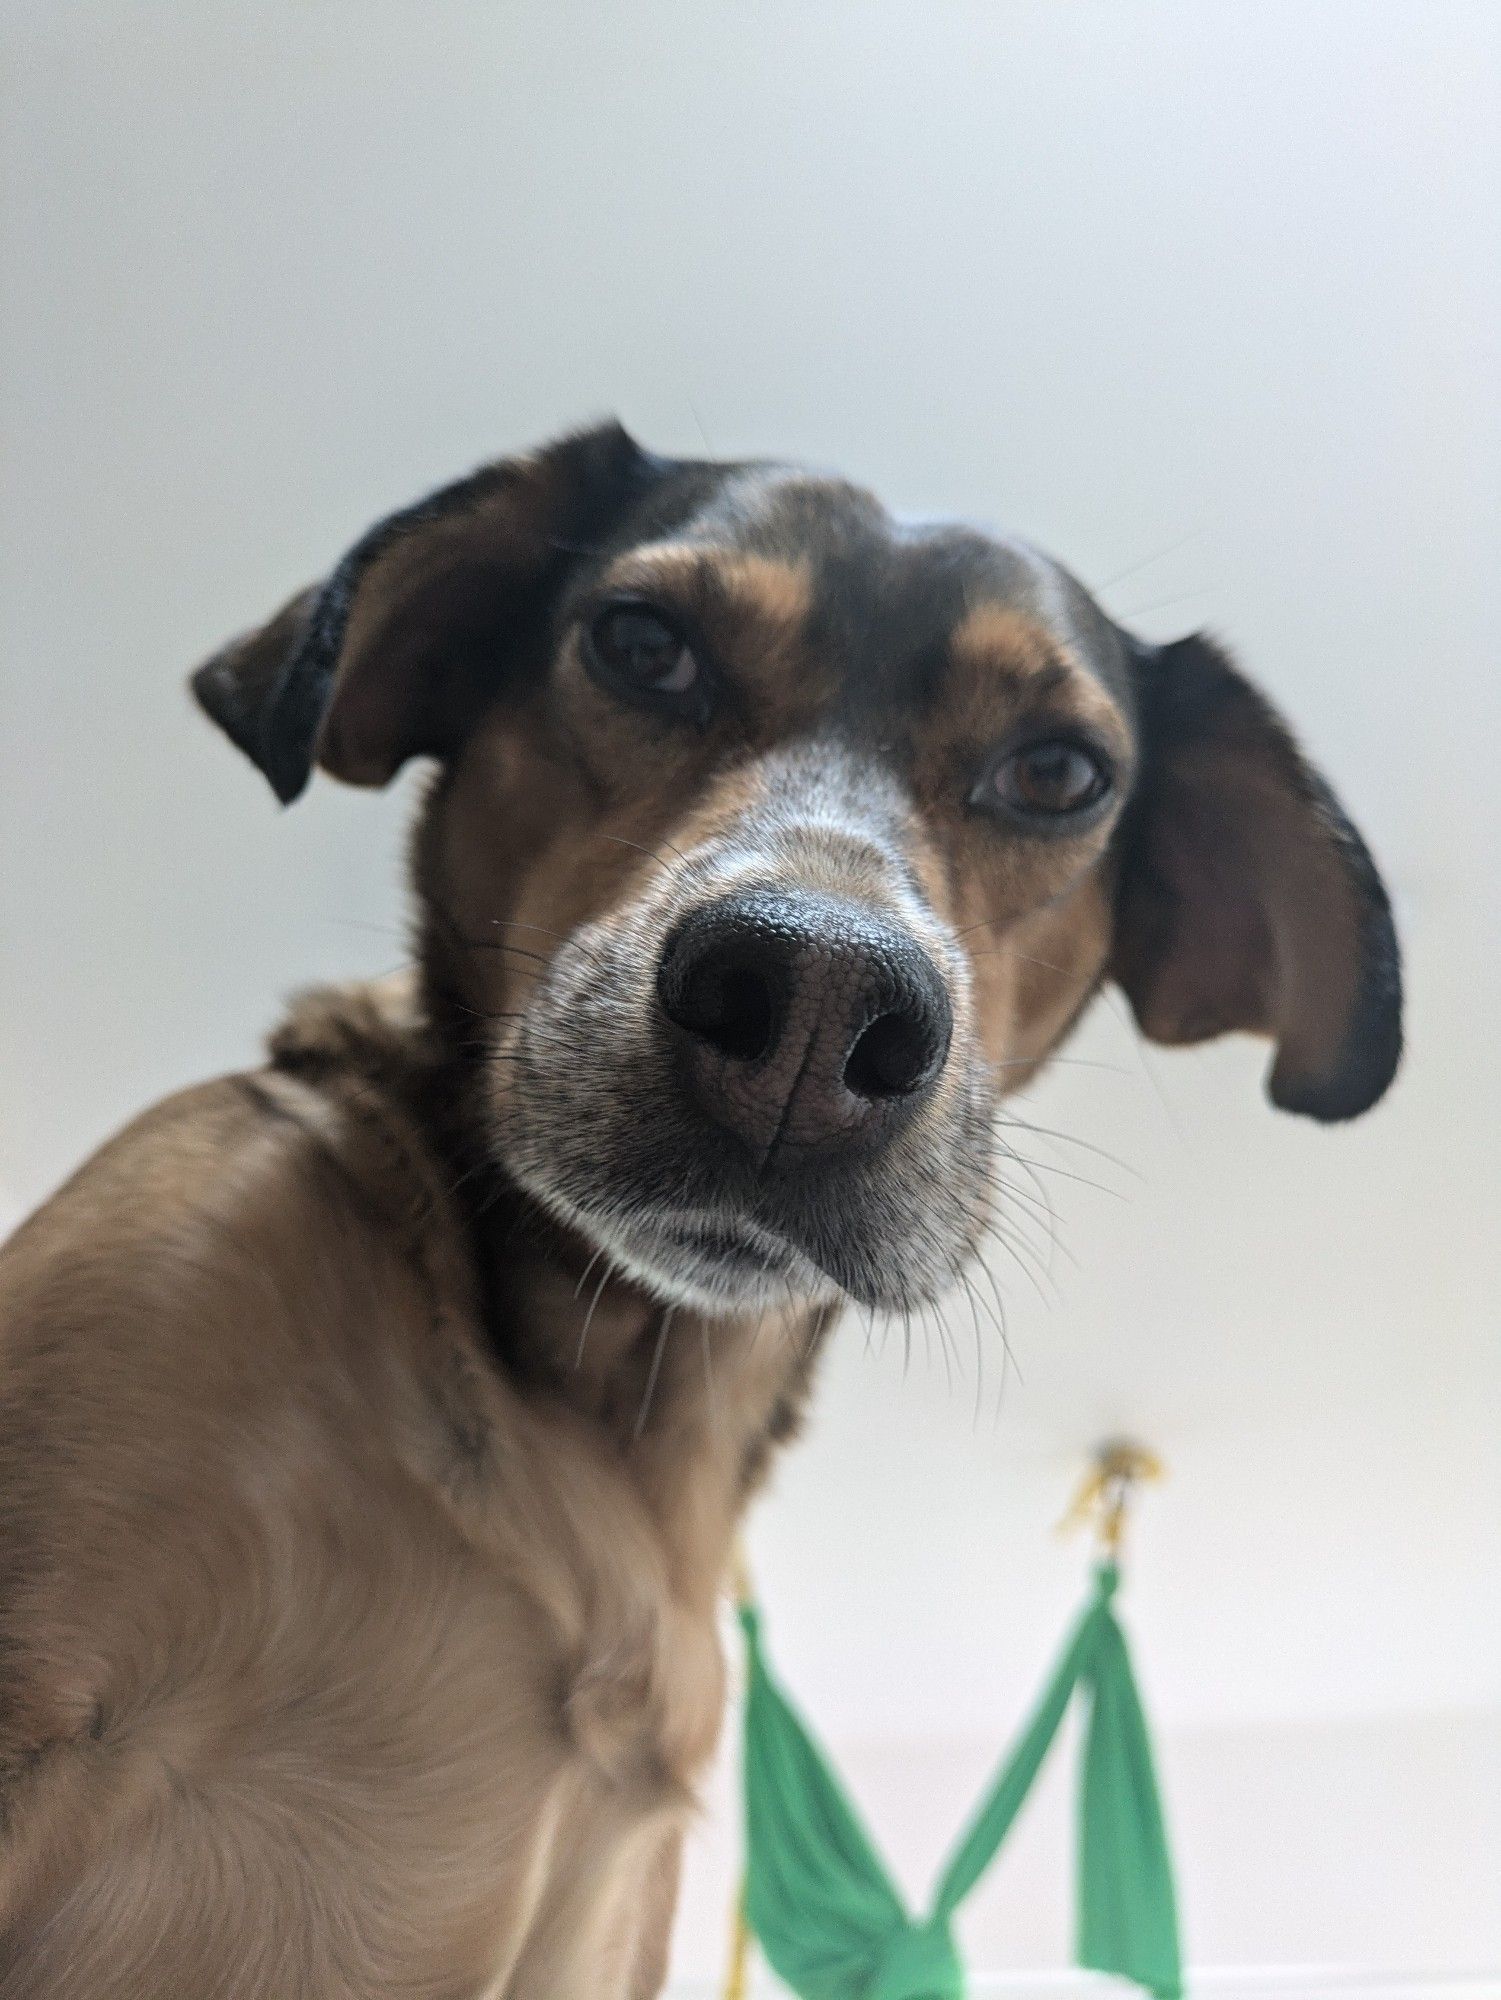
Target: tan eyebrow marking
997 641
779 594
668 563
990 634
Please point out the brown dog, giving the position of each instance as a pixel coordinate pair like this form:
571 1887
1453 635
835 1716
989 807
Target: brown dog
374 1425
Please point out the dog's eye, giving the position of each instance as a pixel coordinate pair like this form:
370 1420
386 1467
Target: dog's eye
642 651
1049 779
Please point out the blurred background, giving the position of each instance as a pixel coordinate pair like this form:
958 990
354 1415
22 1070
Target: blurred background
1202 298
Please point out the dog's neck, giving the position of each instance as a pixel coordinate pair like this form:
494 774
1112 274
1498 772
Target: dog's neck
688 1407
693 1406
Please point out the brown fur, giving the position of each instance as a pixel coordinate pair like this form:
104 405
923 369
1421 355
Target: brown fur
364 1512
490 1613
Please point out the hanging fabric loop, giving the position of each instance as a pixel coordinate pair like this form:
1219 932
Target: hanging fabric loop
820 1902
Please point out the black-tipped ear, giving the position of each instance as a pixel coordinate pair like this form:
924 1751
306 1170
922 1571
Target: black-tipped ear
238 685
1247 900
394 654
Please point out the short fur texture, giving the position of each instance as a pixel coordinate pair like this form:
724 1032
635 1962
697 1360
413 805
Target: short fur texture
374 1426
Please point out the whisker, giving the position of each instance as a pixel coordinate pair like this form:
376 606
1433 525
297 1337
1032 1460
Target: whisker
996 1314
1054 1245
499 944
1038 1198
376 930
621 841
1046 1167
652 1373
604 1277
515 924
1146 562
709 1391
1023 958
1117 1006
1008 1351
943 1346
1008 951
1009 1245
469 1174
1165 603
698 420
1009 1118
974 1313
1057 1062
584 1274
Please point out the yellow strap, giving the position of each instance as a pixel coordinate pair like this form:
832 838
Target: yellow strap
741 1588
737 1975
737 1978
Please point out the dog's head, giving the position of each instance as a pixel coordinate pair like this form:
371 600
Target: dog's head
774 840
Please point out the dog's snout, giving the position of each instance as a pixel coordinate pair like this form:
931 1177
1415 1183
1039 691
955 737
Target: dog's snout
804 1019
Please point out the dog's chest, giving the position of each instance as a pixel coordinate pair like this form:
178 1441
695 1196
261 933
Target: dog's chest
586 1693
511 1722
642 1706
639 1665
609 1597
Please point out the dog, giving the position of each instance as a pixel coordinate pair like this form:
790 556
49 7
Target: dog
374 1425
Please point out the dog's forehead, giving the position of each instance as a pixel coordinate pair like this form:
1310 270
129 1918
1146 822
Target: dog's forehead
878 582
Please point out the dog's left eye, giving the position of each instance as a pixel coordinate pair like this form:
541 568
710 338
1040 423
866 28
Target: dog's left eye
641 651
1056 778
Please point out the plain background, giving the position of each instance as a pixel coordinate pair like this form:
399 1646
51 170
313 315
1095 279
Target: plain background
1204 297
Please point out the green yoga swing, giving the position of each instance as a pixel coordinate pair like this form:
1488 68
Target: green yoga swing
819 1902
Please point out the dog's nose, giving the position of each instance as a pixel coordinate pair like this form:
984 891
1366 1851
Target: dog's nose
805 1020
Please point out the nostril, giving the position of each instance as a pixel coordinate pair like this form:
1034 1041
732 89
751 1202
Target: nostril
804 1023
730 1005
893 1057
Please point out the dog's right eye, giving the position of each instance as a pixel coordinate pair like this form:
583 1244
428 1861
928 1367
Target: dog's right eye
639 651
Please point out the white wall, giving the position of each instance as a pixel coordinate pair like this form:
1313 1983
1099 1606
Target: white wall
1204 298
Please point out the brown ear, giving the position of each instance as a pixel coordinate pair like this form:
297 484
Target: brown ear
414 630
1247 900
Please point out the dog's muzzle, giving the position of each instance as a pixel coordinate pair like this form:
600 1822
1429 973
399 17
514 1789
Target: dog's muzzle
807 1027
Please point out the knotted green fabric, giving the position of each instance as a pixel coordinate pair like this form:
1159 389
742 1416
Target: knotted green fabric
822 1906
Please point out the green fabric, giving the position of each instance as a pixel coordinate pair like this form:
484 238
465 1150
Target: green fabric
822 1906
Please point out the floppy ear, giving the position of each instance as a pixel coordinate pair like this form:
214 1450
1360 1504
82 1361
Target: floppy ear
1246 899
394 654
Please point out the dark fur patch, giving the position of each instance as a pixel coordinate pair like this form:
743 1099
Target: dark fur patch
531 518
1233 836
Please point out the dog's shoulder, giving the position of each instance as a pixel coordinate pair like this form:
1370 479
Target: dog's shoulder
259 1227
135 1204
210 1162
266 1256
